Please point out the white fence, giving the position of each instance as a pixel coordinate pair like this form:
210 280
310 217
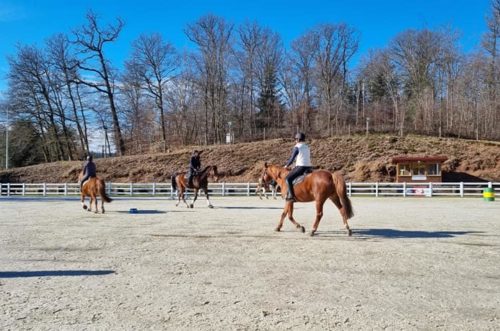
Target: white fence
247 189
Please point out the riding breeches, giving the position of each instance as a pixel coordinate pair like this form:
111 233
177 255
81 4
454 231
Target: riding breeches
296 172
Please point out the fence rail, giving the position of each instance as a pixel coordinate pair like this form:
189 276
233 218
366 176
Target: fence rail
460 189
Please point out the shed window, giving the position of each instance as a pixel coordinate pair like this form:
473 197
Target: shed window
434 169
404 170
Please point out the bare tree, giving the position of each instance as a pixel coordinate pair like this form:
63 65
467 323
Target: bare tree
91 40
212 36
64 62
156 62
334 47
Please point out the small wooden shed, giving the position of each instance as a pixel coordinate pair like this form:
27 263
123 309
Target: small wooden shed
414 169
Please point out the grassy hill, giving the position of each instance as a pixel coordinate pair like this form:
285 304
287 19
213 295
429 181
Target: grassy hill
360 158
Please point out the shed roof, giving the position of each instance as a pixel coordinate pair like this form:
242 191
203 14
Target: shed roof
421 158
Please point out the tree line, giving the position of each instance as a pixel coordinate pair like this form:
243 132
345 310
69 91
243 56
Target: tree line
242 81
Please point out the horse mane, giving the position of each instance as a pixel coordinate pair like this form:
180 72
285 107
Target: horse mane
204 173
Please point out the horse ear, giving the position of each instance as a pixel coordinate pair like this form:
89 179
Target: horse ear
265 164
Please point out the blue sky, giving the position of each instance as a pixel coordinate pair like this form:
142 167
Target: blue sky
31 22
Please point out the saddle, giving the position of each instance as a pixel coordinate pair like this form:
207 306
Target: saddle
301 177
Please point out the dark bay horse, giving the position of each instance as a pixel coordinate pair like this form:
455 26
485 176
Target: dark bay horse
200 181
316 186
92 188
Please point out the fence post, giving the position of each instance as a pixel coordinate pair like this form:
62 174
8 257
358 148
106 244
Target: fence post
404 189
8 189
490 185
430 189
24 189
349 189
461 189
131 189
44 189
248 189
109 188
376 189
65 189
171 192
223 188
154 189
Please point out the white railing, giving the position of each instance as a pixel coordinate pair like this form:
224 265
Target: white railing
460 189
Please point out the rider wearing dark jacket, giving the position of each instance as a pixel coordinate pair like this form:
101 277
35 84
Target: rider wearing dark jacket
89 170
302 155
194 166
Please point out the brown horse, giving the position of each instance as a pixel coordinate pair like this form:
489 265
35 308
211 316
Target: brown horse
316 186
265 184
200 181
93 187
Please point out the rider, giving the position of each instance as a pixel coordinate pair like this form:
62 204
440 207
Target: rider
89 170
302 155
194 166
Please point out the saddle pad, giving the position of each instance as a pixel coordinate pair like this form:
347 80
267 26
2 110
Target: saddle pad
301 177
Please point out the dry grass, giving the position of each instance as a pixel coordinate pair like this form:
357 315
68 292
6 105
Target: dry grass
360 158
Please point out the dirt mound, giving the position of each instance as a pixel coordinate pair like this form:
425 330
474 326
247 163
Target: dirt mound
359 158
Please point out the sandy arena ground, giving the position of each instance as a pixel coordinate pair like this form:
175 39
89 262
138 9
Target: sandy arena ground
410 264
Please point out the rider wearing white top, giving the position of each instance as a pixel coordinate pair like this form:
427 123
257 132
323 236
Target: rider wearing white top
302 156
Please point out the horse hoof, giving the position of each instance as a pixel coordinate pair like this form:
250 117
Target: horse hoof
210 206
191 206
303 229
277 229
84 206
312 233
349 232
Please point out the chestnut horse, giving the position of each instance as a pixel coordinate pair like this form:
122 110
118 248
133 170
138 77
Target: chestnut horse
200 181
264 184
316 186
93 187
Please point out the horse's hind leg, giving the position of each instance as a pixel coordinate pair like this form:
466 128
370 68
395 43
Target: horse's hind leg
84 206
181 196
342 211
319 215
95 204
102 205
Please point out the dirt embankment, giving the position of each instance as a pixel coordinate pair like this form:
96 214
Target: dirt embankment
360 158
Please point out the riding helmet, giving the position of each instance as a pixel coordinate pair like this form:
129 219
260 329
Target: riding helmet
300 136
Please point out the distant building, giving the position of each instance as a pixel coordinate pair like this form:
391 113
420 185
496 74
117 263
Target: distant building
414 169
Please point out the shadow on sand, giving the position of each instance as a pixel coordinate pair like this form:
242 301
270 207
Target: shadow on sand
247 207
142 211
395 234
54 273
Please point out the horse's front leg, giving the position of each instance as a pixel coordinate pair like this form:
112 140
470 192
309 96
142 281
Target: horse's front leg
209 204
84 206
102 205
182 196
194 198
290 217
319 215
95 204
282 218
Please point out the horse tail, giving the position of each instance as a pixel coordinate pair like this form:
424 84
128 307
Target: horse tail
341 190
102 191
174 182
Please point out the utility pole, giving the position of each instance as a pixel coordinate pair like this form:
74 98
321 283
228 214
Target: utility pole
7 139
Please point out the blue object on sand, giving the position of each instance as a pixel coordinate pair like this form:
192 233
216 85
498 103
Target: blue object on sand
133 211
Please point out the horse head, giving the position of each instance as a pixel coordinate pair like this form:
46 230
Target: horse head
275 172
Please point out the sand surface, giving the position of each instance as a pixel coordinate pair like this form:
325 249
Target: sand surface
410 264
